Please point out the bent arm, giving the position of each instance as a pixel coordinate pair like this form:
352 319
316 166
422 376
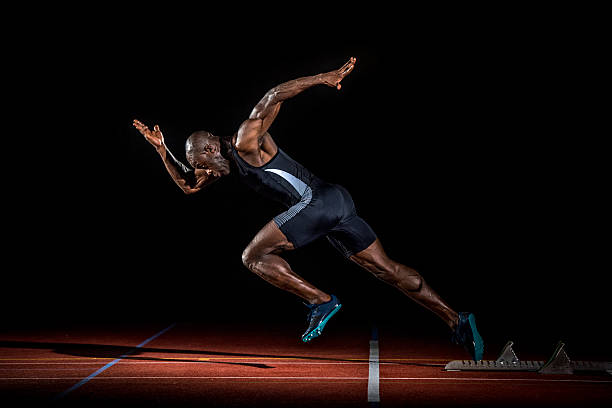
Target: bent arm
188 179
267 108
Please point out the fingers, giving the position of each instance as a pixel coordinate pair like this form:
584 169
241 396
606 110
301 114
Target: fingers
345 70
142 128
345 66
348 67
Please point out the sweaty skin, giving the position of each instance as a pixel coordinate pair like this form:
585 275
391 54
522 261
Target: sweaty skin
255 145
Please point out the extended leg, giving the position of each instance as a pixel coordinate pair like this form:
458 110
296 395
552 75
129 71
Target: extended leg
261 257
409 281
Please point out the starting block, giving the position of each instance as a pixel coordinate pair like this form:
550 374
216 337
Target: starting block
558 363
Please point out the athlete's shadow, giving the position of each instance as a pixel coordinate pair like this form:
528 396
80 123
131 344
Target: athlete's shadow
106 351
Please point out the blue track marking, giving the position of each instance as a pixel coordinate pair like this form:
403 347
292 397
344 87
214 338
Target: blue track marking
112 363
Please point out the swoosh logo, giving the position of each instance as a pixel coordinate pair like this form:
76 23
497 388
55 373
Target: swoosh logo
295 182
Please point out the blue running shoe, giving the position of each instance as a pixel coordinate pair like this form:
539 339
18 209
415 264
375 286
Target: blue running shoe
467 335
318 317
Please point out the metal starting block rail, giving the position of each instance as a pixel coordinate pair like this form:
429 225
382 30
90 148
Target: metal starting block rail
558 363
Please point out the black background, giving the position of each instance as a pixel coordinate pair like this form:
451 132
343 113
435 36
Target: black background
472 140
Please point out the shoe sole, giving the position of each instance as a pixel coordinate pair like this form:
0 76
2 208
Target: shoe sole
478 343
316 332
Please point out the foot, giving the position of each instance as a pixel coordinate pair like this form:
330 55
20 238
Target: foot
318 317
467 335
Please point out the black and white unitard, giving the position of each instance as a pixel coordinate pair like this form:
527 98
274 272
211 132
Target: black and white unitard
315 208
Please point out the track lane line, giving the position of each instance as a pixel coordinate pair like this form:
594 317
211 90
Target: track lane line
112 363
413 379
374 371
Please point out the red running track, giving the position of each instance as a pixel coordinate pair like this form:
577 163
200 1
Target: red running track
192 364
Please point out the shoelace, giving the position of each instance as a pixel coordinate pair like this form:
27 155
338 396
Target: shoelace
310 311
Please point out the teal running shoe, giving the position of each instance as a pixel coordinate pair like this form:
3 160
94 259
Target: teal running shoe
467 335
318 316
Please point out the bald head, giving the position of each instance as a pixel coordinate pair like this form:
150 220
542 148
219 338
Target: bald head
203 150
199 140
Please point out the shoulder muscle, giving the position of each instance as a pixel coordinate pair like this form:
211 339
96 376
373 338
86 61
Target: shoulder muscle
249 135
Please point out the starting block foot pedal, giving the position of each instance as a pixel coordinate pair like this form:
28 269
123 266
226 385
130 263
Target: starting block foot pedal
508 356
558 363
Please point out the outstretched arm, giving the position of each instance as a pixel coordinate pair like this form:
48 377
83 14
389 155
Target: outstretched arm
188 179
265 111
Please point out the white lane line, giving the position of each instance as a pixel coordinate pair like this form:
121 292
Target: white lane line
373 371
495 379
188 378
184 362
414 379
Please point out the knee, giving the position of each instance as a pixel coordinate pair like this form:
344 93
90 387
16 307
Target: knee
385 271
390 273
413 280
410 279
250 258
398 274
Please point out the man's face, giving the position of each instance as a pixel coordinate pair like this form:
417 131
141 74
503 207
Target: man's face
206 155
204 158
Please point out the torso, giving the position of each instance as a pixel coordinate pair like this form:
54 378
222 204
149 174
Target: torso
272 173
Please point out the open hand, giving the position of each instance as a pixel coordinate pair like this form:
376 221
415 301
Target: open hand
334 78
155 136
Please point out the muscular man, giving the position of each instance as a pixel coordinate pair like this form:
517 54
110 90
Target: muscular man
315 209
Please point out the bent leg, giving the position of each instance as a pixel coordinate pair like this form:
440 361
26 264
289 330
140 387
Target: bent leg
261 257
410 282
